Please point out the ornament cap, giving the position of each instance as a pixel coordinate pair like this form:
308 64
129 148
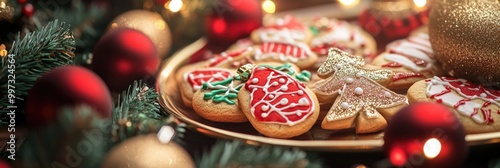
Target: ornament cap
245 70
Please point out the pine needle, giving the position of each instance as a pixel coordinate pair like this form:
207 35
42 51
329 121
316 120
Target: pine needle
35 54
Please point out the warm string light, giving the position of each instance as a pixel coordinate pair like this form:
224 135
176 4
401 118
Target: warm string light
349 3
174 5
420 3
268 6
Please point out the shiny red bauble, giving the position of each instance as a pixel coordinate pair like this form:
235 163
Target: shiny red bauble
231 20
387 20
123 55
67 86
425 135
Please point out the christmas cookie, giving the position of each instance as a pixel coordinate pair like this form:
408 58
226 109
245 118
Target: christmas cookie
231 59
192 80
297 53
477 107
358 97
342 35
411 59
285 30
217 101
276 104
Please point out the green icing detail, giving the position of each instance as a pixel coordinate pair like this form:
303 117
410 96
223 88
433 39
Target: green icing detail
314 30
304 76
221 91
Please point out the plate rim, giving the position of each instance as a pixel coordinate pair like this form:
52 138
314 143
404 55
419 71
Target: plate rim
169 66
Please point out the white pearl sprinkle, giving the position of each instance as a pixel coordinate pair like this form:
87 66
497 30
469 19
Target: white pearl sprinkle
300 92
387 94
338 66
359 74
281 80
271 96
255 80
274 84
345 105
349 80
358 91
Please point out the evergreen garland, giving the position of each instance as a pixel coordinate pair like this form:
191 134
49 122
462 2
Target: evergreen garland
137 112
78 138
233 154
37 53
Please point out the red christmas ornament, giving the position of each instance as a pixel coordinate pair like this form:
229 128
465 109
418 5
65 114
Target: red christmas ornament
425 135
389 20
28 10
231 20
123 55
66 86
4 164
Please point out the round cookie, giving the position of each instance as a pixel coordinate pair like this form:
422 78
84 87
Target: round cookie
343 35
217 101
284 30
192 80
297 53
412 59
277 105
478 108
232 59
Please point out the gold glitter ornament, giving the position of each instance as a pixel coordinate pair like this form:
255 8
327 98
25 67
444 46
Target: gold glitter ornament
147 151
150 23
356 92
465 37
6 11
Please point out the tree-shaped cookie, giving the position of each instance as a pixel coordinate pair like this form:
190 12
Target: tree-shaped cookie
358 97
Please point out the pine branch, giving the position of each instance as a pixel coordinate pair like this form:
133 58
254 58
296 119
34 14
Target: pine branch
82 18
228 154
137 112
77 134
38 52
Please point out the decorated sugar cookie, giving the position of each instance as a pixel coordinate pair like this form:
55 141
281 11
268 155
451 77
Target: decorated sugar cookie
285 30
477 107
231 59
276 104
412 59
193 80
297 53
342 35
357 96
217 101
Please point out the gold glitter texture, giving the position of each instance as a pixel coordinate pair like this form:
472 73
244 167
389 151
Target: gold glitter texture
465 36
344 64
358 90
150 23
6 11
